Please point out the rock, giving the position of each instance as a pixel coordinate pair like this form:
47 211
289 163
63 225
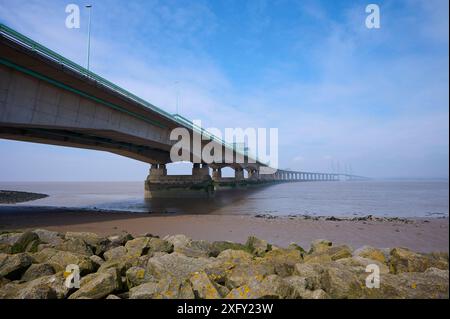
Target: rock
37 270
370 253
359 264
27 242
113 297
320 245
60 259
160 245
75 245
96 261
297 247
98 285
298 285
339 252
122 264
10 238
195 248
178 241
283 260
242 274
166 288
431 284
175 265
315 294
5 248
257 246
49 237
37 292
404 260
120 239
272 287
235 256
98 244
41 287
203 287
136 276
312 273
218 246
138 246
115 253
340 282
317 258
13 266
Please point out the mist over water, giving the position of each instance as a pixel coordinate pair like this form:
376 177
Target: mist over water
422 198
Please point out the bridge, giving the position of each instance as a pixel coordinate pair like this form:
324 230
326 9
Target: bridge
46 98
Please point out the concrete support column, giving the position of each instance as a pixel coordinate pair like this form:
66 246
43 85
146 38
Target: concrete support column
238 173
198 170
217 174
158 170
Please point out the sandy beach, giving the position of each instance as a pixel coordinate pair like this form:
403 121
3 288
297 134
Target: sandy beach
419 234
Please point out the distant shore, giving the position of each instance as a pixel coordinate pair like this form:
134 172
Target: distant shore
419 234
13 197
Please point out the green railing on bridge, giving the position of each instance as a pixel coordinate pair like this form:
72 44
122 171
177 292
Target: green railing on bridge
39 48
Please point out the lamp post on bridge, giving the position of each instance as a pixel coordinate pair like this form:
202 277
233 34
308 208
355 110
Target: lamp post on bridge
89 7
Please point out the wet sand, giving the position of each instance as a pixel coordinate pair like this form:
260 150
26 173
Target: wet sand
420 234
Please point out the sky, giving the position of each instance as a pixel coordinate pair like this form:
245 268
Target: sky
340 94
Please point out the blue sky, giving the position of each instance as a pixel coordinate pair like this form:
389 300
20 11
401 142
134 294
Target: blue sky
338 92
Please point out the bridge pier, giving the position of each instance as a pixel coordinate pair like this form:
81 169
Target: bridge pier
160 185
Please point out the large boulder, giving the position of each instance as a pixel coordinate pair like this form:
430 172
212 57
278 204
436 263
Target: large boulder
272 286
10 238
178 241
370 253
159 245
138 246
283 260
49 237
46 287
175 265
195 248
99 244
405 260
340 282
13 266
115 253
217 247
166 288
257 246
98 285
312 273
38 270
60 259
27 242
242 274
122 264
431 284
136 276
75 245
359 264
120 239
320 245
203 287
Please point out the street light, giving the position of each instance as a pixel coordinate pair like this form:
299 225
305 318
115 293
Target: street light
177 93
89 36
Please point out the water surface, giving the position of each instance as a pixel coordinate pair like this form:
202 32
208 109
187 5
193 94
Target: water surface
379 198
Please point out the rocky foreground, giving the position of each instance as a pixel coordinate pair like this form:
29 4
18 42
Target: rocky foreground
33 265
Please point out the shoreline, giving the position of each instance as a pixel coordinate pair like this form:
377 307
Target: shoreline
420 234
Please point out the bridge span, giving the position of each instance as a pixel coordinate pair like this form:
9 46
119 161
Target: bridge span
46 98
